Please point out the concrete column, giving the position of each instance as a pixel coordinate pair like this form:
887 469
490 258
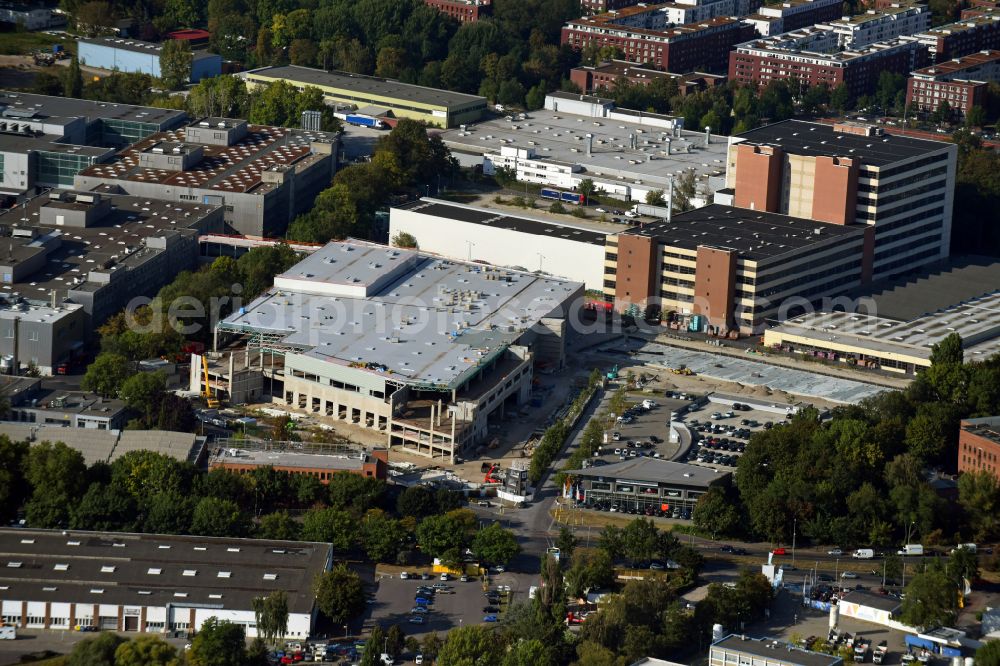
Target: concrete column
121 618
191 617
232 373
142 620
24 614
48 614
72 616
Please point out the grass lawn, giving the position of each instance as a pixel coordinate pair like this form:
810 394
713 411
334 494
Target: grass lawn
24 43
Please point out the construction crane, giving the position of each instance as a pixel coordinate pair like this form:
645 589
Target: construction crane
206 393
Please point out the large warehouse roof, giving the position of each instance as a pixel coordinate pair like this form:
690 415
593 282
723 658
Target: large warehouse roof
33 107
561 137
156 570
433 322
108 445
367 85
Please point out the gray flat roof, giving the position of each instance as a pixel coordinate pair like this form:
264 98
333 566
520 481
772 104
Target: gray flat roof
83 249
139 46
369 85
433 323
754 234
776 650
156 570
882 602
108 445
935 288
804 138
500 220
49 108
289 459
561 137
654 470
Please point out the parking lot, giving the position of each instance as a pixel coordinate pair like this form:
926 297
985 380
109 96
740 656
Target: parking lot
720 432
458 603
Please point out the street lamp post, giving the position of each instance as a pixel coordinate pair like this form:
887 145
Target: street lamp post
794 526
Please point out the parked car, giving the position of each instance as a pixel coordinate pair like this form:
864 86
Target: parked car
849 574
404 576
490 618
420 610
417 619
490 610
778 551
835 551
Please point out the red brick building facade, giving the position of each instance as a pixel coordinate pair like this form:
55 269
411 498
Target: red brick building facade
979 445
954 40
702 46
961 82
764 60
462 11
606 74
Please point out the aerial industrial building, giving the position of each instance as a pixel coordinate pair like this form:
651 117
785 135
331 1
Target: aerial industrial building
319 464
723 269
138 57
852 173
894 325
647 483
262 176
149 583
625 153
979 445
424 349
45 141
605 75
524 242
441 108
73 259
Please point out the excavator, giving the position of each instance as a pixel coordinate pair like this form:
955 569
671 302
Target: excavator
210 401
494 468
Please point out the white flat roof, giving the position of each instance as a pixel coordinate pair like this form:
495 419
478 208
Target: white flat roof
430 324
560 136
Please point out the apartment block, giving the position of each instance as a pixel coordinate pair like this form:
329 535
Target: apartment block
606 74
961 82
721 268
954 40
644 35
978 8
463 11
879 25
812 56
979 445
774 19
850 173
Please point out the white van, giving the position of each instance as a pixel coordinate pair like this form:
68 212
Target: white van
971 547
911 549
8 632
863 554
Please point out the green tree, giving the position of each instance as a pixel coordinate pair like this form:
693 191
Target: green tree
930 600
106 375
104 508
470 646
218 643
73 80
432 645
271 615
353 491
169 513
566 543
329 526
988 654
278 525
97 651
979 496
146 651
395 640
14 488
495 545
840 98
587 188
943 113
655 198
381 536
57 475
975 117
439 534
529 653
219 518
716 513
416 501
373 647
143 392
405 240
590 569
339 594
175 62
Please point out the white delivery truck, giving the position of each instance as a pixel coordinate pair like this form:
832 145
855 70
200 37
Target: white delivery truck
911 549
971 547
863 554
7 632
